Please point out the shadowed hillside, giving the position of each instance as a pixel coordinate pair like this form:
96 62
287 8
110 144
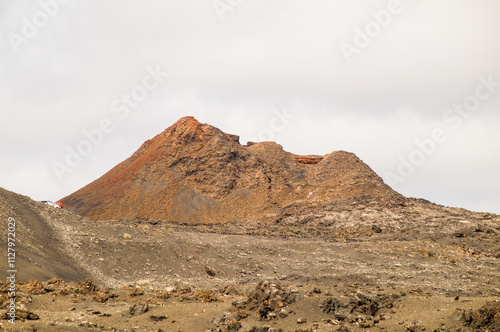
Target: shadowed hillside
40 253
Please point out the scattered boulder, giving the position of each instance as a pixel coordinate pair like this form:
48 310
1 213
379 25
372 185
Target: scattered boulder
136 291
264 329
22 315
233 325
35 287
486 318
157 318
87 287
90 289
205 296
301 320
359 308
138 309
414 326
265 300
343 328
55 281
211 272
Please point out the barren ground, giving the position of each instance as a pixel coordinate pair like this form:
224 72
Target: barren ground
253 280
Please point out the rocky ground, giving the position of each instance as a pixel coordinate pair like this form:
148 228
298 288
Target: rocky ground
344 267
264 306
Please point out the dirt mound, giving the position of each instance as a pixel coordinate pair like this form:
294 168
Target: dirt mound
193 173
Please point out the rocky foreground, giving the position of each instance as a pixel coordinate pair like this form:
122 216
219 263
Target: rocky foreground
363 272
269 306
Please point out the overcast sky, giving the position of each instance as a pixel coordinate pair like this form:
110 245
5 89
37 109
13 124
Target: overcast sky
411 87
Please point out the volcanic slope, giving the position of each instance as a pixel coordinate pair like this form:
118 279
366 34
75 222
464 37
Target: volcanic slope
195 173
39 250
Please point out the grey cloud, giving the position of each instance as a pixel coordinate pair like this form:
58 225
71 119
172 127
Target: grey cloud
264 56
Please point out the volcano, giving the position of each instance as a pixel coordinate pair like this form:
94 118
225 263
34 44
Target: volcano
195 173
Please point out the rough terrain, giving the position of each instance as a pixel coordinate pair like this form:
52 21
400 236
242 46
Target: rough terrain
300 274
194 173
196 232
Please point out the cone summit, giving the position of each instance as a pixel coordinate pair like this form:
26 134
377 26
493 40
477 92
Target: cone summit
195 173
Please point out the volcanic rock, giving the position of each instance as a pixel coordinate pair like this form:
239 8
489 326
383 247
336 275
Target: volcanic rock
195 173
